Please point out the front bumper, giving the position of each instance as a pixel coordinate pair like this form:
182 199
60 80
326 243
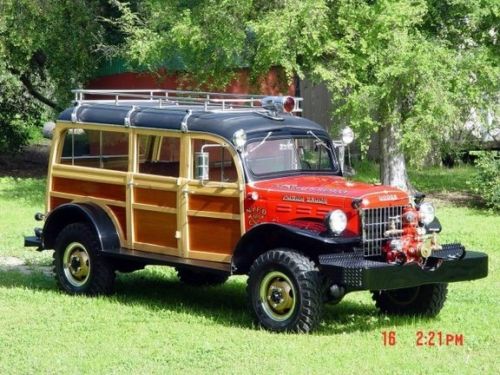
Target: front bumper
358 273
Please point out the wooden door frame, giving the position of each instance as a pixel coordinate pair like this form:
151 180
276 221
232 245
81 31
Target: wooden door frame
138 180
192 186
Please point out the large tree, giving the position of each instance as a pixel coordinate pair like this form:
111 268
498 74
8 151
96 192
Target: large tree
407 69
47 48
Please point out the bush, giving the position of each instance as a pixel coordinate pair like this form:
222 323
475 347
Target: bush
486 181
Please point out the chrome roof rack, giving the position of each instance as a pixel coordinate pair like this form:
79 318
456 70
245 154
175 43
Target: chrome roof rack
195 100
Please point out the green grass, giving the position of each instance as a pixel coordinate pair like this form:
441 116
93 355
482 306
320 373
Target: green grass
154 324
427 180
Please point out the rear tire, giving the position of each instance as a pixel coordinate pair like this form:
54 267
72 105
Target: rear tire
285 291
424 300
78 265
200 278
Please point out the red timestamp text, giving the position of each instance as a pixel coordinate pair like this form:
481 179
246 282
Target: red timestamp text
427 338
438 338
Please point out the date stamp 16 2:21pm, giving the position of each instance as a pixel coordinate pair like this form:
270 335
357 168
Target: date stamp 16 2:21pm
426 338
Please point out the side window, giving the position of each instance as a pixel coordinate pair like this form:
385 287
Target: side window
221 163
159 155
95 149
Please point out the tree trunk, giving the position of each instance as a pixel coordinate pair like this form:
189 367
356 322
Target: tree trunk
392 161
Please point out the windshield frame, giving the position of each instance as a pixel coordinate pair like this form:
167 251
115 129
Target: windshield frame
336 171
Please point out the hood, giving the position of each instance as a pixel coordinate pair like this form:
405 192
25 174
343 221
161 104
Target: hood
330 190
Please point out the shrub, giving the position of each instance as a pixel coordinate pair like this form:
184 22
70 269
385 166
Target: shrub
486 180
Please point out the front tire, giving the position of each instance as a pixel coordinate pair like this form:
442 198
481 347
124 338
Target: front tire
285 291
78 266
424 300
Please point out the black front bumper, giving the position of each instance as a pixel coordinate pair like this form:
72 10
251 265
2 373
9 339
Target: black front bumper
357 273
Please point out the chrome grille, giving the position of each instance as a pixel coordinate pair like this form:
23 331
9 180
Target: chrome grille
374 223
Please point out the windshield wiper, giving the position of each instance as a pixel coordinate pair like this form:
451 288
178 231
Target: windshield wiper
261 143
318 140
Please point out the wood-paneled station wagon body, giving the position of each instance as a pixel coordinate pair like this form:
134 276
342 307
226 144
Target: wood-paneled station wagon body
218 184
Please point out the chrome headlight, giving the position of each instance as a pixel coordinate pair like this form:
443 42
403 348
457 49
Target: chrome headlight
336 221
427 213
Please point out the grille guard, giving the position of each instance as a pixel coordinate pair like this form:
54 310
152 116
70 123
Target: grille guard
355 272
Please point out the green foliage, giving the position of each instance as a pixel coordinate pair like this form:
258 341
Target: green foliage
419 66
47 48
486 181
20 116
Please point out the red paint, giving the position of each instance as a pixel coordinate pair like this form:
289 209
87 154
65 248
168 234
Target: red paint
291 199
304 201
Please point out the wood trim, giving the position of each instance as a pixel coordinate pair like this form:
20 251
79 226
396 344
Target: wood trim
220 191
92 126
214 215
148 207
54 152
147 247
86 199
89 174
155 182
214 257
182 195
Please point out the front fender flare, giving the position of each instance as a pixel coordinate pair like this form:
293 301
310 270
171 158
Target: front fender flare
267 236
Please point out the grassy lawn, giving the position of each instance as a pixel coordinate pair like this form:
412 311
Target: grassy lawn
427 180
154 324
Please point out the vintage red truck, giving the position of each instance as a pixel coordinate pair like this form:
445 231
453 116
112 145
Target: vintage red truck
218 185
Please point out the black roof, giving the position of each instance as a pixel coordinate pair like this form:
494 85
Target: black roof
222 123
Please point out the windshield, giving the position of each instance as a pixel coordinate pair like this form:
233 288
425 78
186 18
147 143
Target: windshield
289 154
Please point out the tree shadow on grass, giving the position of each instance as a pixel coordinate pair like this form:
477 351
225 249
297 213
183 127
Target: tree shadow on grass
225 305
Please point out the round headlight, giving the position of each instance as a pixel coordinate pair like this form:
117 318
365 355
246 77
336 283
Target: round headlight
347 136
427 213
336 221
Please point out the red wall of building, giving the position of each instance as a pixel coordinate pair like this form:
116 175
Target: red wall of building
274 83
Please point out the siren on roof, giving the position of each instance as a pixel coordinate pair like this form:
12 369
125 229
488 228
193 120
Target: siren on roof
278 103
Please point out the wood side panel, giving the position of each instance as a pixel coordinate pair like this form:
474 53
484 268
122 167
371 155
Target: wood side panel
156 228
155 197
213 235
214 204
56 201
89 188
121 216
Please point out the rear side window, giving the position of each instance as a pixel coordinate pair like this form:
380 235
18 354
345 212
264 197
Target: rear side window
95 149
159 155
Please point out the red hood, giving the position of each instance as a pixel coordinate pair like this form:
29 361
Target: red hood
330 189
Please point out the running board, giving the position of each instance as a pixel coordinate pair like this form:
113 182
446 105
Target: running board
168 260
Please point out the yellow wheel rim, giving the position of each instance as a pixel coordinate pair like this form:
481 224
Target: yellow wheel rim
277 295
76 264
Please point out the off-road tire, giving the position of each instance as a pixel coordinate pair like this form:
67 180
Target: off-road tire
305 277
424 300
101 275
200 278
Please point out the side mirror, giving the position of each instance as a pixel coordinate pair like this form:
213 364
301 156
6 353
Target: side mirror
201 166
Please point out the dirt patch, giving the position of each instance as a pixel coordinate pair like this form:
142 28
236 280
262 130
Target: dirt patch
19 265
32 161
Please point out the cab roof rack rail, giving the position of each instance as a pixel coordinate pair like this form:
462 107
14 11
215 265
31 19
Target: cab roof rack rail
197 100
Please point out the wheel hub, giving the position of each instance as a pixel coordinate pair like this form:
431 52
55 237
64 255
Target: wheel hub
277 295
76 264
